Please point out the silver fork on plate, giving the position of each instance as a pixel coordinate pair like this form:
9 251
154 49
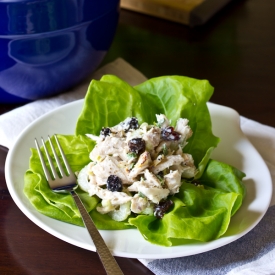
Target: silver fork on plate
67 184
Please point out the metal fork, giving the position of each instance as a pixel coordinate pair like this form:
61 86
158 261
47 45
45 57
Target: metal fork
67 184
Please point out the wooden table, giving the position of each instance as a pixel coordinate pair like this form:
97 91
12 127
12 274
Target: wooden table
235 51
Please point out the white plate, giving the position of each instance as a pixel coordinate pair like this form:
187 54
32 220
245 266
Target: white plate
234 149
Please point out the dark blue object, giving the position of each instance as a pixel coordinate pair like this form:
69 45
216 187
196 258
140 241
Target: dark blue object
47 46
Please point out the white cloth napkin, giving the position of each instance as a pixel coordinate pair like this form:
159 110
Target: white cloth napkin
252 254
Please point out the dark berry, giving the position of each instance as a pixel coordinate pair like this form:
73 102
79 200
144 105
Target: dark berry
168 133
195 182
114 183
136 145
131 123
105 132
162 208
161 174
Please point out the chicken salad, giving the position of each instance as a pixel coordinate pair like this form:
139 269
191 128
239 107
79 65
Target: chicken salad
136 167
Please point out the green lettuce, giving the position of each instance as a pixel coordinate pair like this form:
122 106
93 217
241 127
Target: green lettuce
199 213
111 100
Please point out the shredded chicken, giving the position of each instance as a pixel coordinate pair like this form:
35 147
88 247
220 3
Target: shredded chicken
116 198
135 167
173 181
110 146
152 138
109 166
155 194
167 162
143 162
139 204
152 179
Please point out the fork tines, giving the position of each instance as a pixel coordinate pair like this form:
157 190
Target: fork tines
54 179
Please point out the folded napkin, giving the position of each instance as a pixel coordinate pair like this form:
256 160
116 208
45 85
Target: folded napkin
254 253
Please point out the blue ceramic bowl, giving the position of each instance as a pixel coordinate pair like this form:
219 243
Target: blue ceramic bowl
47 46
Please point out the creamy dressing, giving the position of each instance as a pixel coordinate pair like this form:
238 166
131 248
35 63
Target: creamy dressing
145 163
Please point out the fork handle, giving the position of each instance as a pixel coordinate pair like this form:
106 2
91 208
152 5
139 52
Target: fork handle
107 259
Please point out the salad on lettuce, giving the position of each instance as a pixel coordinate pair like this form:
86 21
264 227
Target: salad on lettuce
160 178
134 168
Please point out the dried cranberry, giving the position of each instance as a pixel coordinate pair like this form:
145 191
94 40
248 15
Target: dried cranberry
105 132
162 208
137 145
168 133
131 123
195 182
114 183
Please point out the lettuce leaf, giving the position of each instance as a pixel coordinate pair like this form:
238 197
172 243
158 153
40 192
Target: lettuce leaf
111 100
59 206
198 214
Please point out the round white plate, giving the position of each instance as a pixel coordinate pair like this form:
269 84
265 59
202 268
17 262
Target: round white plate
233 149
